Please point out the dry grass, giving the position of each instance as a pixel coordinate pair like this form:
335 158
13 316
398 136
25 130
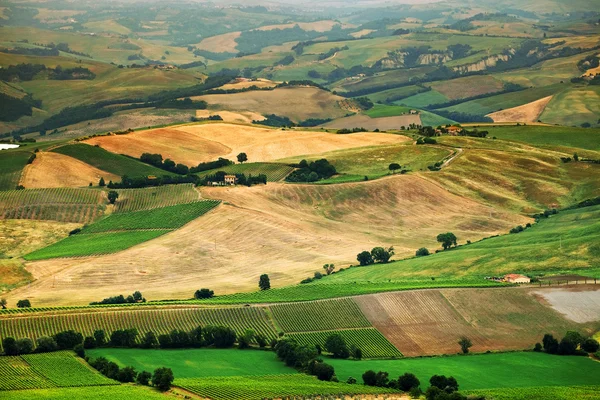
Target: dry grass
264 144
297 103
287 231
245 117
361 33
468 87
529 112
383 124
52 170
431 322
224 43
242 83
179 146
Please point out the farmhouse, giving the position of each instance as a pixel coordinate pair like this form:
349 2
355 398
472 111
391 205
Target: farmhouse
517 278
453 130
230 179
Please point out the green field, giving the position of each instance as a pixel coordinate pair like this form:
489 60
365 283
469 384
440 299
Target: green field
57 204
319 316
154 197
549 136
573 107
117 392
109 162
121 231
391 95
274 171
380 111
82 245
275 386
486 371
424 99
59 369
431 119
370 341
374 161
160 320
172 217
539 393
12 163
198 363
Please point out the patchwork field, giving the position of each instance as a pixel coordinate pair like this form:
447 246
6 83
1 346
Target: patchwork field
296 103
50 170
529 112
317 224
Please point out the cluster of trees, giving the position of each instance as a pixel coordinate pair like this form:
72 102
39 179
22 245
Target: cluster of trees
66 340
14 108
573 343
26 72
204 294
168 164
242 179
345 131
287 60
336 345
24 303
305 358
275 121
185 104
162 378
311 172
376 255
441 387
520 228
136 297
331 52
31 51
215 117
207 166
426 140
142 182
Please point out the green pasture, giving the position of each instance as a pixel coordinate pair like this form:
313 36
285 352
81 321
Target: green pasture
539 393
549 136
380 110
12 163
424 99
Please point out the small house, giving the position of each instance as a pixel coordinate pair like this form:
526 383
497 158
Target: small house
517 278
413 112
453 130
230 179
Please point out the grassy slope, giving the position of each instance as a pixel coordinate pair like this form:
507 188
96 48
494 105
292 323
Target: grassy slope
110 162
198 363
540 393
549 136
12 163
424 99
486 371
380 111
561 243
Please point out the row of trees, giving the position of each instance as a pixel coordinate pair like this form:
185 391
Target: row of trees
136 297
168 164
162 378
573 343
376 255
311 172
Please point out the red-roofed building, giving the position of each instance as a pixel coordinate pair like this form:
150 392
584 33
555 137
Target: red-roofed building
517 278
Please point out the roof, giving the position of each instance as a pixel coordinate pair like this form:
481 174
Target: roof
515 276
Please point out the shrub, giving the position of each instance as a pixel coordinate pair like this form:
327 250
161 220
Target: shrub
408 382
23 303
46 344
422 252
162 378
204 294
590 345
143 378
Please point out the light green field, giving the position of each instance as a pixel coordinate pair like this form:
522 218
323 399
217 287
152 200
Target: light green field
486 371
539 393
119 392
431 119
12 163
549 136
370 341
424 99
563 243
198 363
379 111
274 171
574 107
392 94
109 162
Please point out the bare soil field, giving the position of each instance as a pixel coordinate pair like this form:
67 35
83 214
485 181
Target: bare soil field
577 305
383 124
432 321
224 43
265 144
529 112
179 146
300 227
296 103
234 117
51 170
243 83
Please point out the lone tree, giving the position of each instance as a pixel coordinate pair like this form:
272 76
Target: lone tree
328 268
113 195
407 382
23 303
336 345
3 303
465 343
242 157
422 252
364 258
101 182
204 294
162 378
447 240
394 167
382 255
264 283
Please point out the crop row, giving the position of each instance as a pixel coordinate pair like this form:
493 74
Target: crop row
39 371
149 198
160 321
319 315
270 386
370 341
172 217
59 204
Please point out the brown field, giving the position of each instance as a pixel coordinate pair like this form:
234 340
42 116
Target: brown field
300 227
224 43
529 112
468 87
318 26
383 124
430 322
577 305
179 146
229 116
242 83
51 170
296 103
361 33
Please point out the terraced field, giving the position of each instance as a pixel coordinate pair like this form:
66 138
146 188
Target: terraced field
39 371
319 315
160 320
149 198
371 342
58 204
